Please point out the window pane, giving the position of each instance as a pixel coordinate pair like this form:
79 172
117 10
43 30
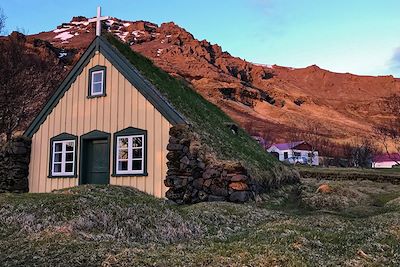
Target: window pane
136 165
97 77
70 146
58 147
137 153
122 165
136 141
57 157
57 168
69 156
123 143
69 167
123 154
97 88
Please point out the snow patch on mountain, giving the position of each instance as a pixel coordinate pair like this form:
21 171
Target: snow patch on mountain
122 35
264 65
62 29
62 54
64 36
138 33
110 22
85 23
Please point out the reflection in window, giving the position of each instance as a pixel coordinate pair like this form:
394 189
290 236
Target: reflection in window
130 154
63 158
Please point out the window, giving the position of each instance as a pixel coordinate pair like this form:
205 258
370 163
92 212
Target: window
285 155
63 156
130 152
297 154
97 81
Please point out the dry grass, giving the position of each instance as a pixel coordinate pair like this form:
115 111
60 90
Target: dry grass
334 173
116 226
99 214
347 194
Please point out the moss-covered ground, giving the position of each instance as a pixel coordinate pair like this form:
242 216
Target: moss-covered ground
357 224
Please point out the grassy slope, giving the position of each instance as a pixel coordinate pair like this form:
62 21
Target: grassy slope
389 175
208 120
118 226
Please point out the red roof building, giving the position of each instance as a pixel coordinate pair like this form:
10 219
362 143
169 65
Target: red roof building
386 160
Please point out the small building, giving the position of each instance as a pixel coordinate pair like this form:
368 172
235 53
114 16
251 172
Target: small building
386 160
295 152
105 124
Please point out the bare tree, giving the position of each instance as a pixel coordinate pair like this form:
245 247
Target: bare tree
13 93
23 77
267 137
295 135
346 152
389 132
313 135
363 152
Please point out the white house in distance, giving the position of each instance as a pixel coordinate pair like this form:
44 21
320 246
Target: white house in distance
295 152
385 161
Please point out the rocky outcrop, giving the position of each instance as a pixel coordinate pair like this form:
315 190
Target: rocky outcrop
14 165
258 97
195 175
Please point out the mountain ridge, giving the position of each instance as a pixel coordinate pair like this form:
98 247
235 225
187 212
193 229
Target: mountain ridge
265 99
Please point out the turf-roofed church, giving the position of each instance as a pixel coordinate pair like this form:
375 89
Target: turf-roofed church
105 124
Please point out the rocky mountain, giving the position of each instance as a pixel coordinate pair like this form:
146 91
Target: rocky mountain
270 100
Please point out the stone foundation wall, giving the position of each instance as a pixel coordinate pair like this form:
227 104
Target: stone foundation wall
195 175
14 165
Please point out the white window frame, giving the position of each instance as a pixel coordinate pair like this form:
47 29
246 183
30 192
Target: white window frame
64 161
92 93
130 156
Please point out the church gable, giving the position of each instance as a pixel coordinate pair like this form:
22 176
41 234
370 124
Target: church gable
97 84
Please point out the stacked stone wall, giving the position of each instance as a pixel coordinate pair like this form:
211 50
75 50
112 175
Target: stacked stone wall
195 175
14 165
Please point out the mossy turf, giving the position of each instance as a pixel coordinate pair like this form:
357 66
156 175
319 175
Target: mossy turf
208 121
117 226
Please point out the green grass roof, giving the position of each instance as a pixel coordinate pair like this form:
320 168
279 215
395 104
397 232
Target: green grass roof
209 121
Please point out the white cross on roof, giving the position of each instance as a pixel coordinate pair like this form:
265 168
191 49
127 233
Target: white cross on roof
98 20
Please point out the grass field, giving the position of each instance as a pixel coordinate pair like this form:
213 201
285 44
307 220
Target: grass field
357 224
383 175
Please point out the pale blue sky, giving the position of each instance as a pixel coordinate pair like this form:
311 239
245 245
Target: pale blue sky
357 36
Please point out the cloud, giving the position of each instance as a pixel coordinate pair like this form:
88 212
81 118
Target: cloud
395 61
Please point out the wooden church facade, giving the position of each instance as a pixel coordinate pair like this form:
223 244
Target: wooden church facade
104 125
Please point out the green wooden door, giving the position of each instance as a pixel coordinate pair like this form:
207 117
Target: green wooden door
96 162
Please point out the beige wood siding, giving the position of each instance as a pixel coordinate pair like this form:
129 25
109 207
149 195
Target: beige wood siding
123 107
